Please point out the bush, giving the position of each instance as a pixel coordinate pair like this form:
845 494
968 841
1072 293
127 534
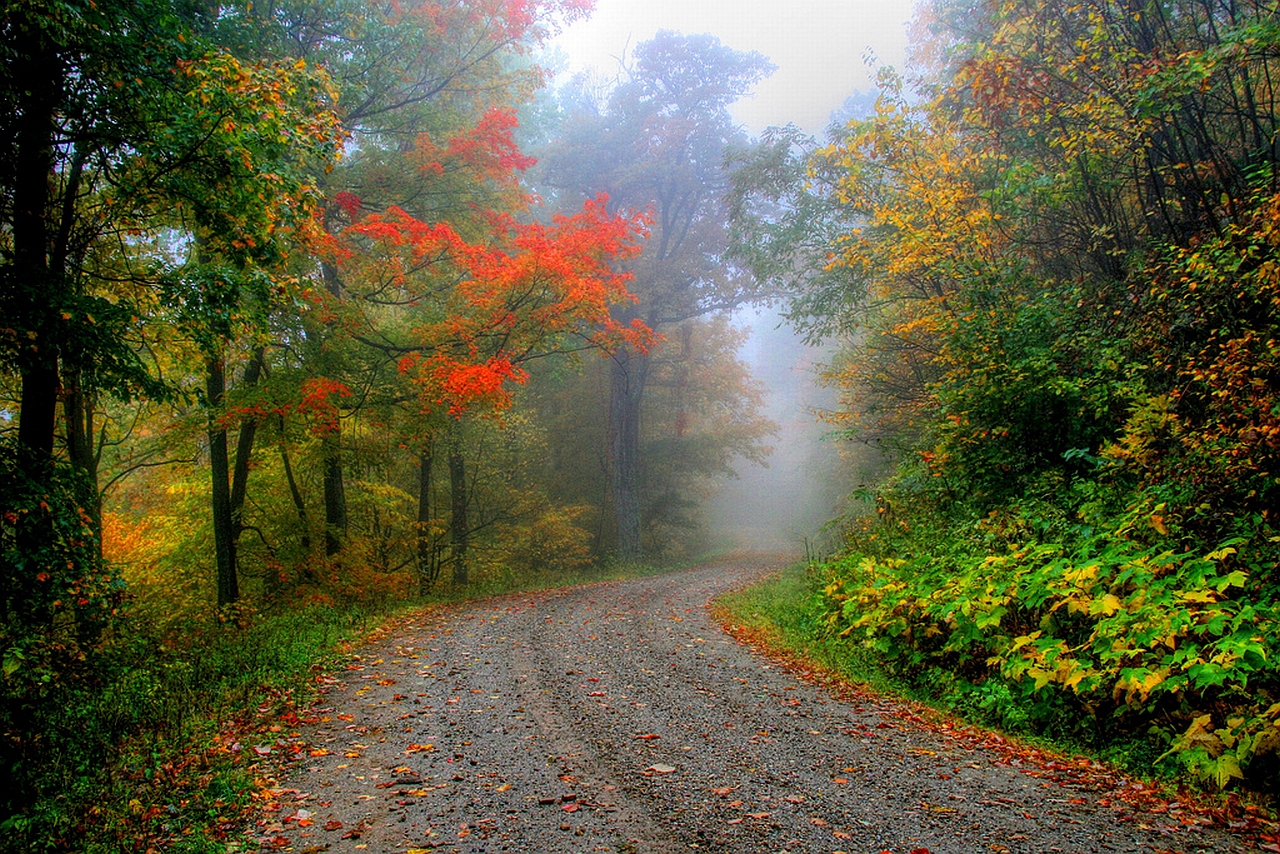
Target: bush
1123 629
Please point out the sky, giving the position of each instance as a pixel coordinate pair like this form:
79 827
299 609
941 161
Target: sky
818 46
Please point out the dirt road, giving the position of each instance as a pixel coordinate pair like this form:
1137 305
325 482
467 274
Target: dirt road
617 717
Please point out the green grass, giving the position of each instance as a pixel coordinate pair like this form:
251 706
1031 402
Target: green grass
783 609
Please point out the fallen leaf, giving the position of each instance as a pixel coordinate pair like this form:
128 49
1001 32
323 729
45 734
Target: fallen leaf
419 748
661 768
333 824
650 737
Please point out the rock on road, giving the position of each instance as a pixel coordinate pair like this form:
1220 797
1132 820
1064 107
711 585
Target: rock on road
619 717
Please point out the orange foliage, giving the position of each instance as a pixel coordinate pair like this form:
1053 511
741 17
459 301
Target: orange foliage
483 307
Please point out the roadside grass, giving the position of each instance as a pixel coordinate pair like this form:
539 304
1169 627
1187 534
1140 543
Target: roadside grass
152 746
782 612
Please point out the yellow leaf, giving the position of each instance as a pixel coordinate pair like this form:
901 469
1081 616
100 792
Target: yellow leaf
1107 605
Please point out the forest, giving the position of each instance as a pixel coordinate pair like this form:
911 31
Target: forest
313 308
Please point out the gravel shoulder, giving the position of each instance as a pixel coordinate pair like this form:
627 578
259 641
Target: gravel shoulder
619 717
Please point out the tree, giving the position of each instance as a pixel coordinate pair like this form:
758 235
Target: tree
657 142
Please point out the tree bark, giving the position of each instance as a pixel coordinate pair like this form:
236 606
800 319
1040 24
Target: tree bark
626 393
78 410
335 496
428 556
335 493
224 533
244 448
299 506
39 291
459 526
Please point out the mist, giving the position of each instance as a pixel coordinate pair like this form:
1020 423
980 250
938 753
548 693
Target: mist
788 505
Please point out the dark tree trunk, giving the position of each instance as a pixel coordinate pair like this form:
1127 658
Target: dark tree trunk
37 293
224 534
335 493
626 393
244 448
335 496
78 411
299 506
459 526
428 554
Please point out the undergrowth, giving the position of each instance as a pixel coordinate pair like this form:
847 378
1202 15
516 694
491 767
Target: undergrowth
804 611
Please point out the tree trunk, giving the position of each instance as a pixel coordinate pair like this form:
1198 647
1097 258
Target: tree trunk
244 448
335 493
428 555
299 506
459 526
224 533
335 496
39 290
78 411
626 393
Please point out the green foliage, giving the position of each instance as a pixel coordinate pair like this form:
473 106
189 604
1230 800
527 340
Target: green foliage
136 746
1106 626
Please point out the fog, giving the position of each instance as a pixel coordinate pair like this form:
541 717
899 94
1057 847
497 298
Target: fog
786 506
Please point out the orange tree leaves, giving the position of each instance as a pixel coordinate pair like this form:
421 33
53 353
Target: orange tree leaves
478 309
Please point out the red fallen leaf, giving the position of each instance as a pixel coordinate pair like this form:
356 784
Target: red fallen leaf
840 781
919 851
353 833
570 807
758 814
723 790
648 737
333 824
597 694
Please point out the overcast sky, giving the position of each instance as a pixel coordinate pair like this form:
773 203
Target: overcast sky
818 46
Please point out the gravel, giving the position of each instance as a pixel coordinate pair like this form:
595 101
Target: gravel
619 717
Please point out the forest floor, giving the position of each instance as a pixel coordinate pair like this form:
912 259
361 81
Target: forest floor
621 717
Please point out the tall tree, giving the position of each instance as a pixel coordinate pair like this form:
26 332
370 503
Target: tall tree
657 142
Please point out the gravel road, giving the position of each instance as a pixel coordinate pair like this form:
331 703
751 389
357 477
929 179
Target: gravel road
619 717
